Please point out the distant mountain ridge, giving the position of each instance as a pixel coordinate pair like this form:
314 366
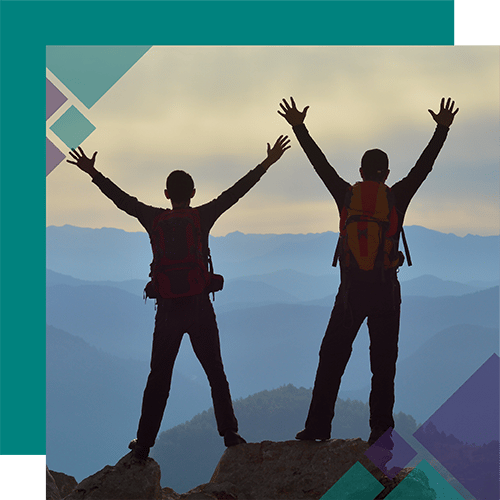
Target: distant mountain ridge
116 255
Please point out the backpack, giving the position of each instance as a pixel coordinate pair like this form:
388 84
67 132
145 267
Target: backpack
367 245
178 268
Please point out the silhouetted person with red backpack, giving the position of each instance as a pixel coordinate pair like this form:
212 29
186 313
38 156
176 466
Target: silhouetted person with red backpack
181 281
371 221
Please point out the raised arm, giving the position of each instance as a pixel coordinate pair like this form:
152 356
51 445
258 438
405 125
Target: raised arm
405 189
212 210
132 206
333 182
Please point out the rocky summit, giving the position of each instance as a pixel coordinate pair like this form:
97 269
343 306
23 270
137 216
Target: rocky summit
291 470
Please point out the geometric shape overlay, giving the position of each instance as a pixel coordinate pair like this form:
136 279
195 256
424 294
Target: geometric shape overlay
52 156
90 71
463 434
357 483
54 99
424 482
390 453
72 128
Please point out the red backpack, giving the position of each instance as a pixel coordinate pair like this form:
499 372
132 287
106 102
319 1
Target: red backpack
178 268
367 243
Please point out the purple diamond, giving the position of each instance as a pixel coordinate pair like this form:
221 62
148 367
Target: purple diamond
390 453
52 156
54 99
463 434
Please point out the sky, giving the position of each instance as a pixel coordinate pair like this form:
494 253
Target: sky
212 110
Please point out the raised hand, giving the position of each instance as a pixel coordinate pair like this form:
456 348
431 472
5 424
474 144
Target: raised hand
291 114
82 161
446 114
276 152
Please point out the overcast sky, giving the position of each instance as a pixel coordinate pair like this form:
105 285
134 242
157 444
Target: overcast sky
211 111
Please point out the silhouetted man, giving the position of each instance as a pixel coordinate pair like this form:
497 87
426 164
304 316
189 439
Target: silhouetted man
192 314
380 300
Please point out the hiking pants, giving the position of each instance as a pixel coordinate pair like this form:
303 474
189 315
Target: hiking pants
380 303
174 317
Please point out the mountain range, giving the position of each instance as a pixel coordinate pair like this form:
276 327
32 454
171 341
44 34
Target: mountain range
272 314
116 255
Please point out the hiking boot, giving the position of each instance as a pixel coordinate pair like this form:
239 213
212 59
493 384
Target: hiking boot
307 435
232 438
139 452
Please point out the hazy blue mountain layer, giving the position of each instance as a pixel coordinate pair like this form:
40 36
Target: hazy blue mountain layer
281 339
94 402
113 254
272 315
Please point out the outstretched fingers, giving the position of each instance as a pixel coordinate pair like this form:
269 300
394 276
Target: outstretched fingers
283 142
448 106
74 154
285 107
446 113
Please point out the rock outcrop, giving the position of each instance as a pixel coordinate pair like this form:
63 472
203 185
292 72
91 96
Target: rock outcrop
289 470
127 480
65 484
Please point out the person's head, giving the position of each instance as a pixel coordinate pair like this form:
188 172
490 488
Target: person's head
374 165
180 187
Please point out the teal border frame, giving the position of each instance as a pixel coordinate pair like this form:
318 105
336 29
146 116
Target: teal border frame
27 27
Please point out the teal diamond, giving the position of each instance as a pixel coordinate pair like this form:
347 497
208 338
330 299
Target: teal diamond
356 484
424 483
72 128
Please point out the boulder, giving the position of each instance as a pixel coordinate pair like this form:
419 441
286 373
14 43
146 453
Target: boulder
291 470
127 480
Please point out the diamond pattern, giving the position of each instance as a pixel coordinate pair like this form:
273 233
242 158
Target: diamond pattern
463 434
72 128
54 99
52 156
390 453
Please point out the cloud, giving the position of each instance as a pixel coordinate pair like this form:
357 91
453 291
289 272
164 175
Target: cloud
211 111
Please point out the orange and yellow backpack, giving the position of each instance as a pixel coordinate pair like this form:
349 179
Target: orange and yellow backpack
367 245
